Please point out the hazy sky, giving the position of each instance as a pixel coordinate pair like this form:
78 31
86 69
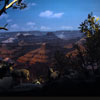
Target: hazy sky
47 15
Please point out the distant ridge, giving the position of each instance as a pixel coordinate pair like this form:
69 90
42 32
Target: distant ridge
40 55
38 31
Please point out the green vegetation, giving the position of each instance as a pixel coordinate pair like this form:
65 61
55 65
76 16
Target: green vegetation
87 60
91 29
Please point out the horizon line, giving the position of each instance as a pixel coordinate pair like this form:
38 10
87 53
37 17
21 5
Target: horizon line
38 31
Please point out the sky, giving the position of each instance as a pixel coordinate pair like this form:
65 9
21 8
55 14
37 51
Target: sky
50 15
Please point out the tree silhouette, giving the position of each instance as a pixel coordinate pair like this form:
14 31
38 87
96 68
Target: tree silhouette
5 68
91 29
6 5
20 75
60 62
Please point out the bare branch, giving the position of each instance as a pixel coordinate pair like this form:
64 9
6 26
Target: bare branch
9 5
3 9
3 28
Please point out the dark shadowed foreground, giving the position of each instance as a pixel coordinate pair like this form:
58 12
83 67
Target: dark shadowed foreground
61 87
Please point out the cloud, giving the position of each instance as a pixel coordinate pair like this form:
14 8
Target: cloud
28 28
31 23
9 20
46 14
33 4
4 16
44 28
14 26
29 5
51 14
31 26
66 27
